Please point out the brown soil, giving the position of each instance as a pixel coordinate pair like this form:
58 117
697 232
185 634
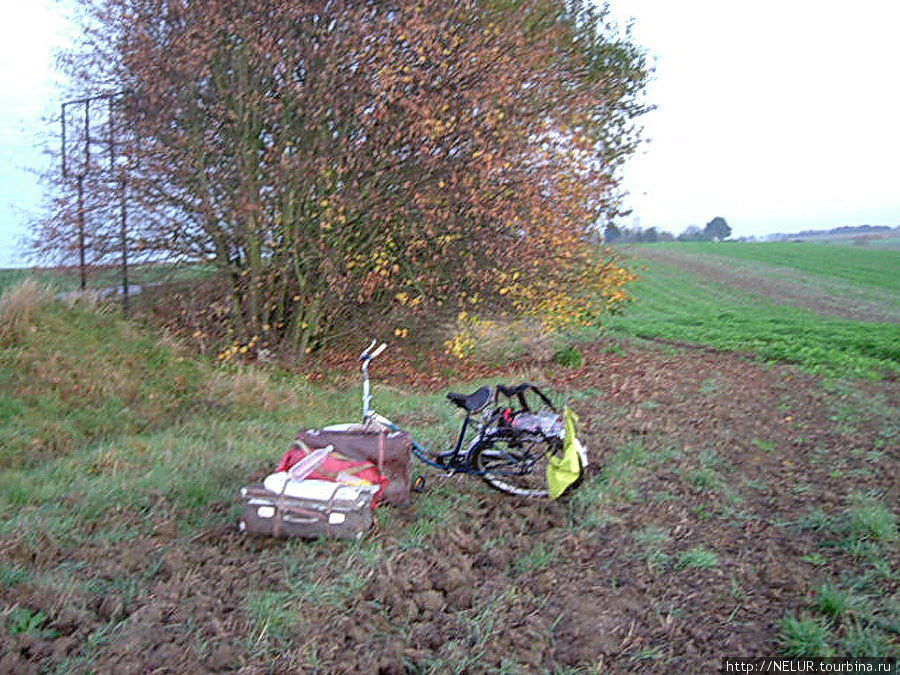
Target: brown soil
504 583
780 284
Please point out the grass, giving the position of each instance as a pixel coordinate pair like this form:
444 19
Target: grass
569 357
855 616
76 376
873 521
847 624
652 540
125 444
72 376
538 558
877 268
24 620
834 602
63 280
805 637
705 479
275 617
698 558
863 641
675 305
586 509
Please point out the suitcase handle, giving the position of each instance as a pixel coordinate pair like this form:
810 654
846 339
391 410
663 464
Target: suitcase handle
282 511
290 518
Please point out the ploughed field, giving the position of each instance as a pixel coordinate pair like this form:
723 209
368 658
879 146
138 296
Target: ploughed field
735 506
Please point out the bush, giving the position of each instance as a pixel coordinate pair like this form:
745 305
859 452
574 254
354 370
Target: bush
570 357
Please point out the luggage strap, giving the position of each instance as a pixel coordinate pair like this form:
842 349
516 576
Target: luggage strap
281 508
365 464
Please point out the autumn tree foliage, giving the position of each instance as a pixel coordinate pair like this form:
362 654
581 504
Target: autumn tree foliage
326 154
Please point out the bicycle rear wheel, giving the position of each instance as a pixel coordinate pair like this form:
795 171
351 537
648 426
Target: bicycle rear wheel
517 467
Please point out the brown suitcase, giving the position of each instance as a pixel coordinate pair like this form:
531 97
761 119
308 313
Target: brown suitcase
390 451
347 514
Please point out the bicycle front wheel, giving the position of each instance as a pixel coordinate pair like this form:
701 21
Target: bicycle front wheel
517 467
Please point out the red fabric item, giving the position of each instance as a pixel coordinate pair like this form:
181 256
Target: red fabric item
333 465
390 451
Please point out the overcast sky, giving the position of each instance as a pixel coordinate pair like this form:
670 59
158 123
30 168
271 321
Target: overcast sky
29 33
778 115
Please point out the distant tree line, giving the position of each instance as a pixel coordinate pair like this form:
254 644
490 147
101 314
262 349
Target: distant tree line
842 231
715 230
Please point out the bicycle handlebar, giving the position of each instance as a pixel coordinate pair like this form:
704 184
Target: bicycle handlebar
362 357
368 354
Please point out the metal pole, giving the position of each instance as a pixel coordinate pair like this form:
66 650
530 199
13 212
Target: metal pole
87 135
63 144
124 231
81 266
85 169
112 140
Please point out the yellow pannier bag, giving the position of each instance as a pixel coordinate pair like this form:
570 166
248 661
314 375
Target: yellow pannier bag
565 470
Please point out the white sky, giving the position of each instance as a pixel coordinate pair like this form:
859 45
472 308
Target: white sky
28 34
778 115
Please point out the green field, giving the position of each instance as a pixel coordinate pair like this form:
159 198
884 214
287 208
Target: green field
107 277
675 304
875 267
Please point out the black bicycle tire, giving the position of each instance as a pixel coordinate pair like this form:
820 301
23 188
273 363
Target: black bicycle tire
498 481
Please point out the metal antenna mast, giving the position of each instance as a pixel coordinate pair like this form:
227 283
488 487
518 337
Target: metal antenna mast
82 169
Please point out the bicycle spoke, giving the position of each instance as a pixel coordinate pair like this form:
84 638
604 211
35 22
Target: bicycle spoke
516 470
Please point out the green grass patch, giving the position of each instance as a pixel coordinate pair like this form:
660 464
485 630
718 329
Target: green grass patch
13 575
652 539
587 506
106 277
865 641
805 637
24 620
705 479
74 376
877 268
570 357
274 617
872 521
698 558
536 559
675 305
834 602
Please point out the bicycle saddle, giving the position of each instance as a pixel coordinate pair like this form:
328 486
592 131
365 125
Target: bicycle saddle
472 403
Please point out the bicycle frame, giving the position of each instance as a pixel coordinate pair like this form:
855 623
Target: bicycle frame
370 416
457 460
366 357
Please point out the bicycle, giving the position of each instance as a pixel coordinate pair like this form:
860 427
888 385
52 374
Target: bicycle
513 441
